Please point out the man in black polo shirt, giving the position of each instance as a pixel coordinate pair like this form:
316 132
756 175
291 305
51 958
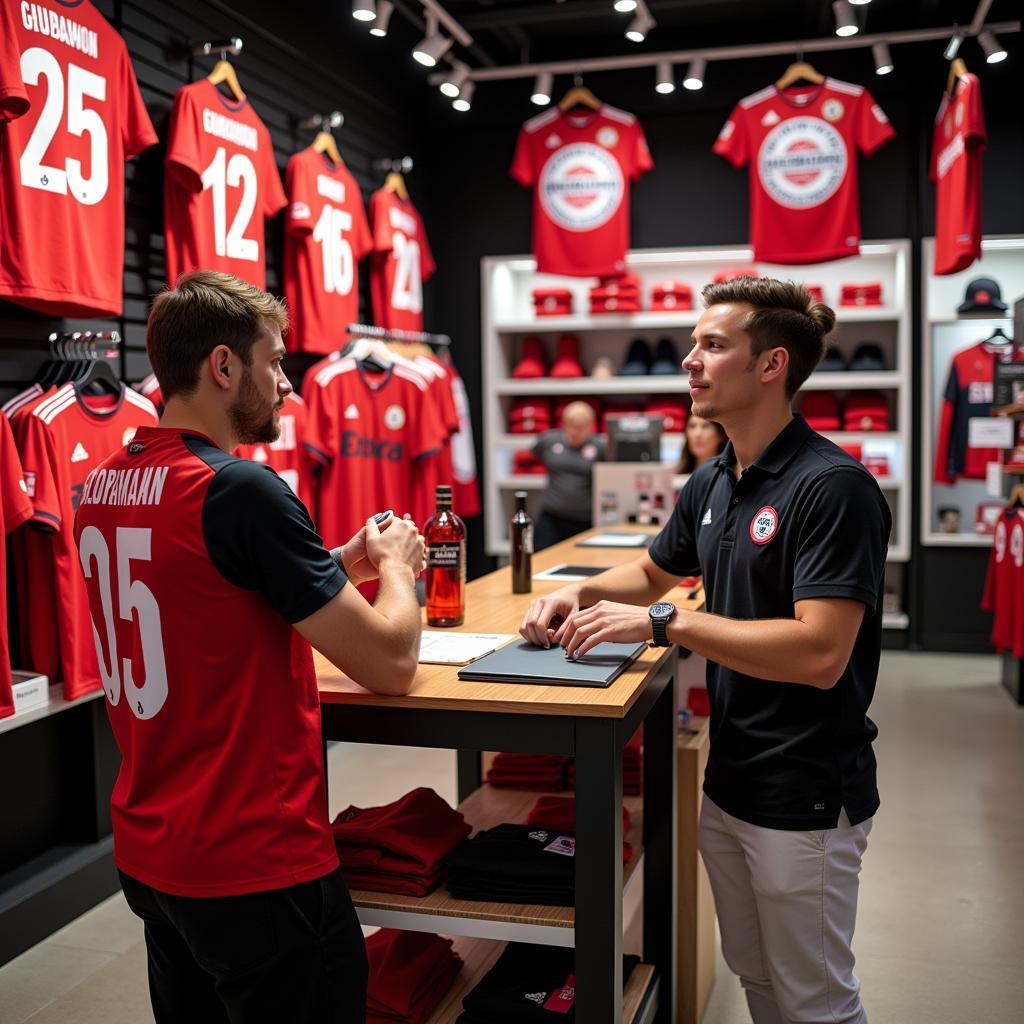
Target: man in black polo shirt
790 535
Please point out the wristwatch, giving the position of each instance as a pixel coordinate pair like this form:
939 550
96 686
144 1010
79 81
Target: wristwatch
660 614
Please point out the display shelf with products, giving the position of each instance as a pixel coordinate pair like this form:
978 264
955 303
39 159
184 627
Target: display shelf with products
952 514
508 318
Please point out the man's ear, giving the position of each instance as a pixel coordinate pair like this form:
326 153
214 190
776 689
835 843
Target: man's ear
775 365
219 362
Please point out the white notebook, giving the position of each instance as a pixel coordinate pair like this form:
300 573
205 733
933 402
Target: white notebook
451 648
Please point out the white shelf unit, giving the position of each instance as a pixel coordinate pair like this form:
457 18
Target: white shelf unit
945 333
507 317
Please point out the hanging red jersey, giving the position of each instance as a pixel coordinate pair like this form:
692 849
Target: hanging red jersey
802 144
150 387
62 440
371 433
221 184
62 163
968 395
402 261
580 168
326 235
287 456
1004 583
211 693
15 509
13 97
957 145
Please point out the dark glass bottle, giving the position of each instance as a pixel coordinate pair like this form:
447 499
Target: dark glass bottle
520 531
445 534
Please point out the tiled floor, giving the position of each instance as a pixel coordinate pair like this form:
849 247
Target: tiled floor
942 906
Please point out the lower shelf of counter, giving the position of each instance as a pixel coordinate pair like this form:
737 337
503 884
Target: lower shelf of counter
639 996
514 922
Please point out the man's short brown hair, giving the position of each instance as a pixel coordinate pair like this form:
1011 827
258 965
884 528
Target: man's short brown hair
784 316
203 310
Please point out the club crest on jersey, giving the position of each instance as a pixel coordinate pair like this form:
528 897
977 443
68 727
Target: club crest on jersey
136 448
581 187
764 525
833 110
607 136
589 451
127 436
394 417
802 162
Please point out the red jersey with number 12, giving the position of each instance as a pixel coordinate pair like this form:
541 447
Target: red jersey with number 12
62 163
221 183
402 261
802 144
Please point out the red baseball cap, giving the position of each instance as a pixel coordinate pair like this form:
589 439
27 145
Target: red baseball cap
866 410
532 364
567 363
821 410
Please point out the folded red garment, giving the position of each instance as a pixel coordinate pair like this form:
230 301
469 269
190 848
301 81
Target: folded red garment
402 885
369 858
406 970
420 827
559 812
427 1001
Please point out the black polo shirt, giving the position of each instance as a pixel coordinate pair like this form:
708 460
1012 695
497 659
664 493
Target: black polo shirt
806 520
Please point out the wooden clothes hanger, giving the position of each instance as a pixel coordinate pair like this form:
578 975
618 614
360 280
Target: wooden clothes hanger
324 143
579 96
798 71
224 73
1016 498
957 70
394 182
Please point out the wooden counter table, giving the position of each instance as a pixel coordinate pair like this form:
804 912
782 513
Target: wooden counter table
590 724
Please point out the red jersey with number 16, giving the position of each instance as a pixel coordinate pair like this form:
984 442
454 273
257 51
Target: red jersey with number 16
221 183
402 261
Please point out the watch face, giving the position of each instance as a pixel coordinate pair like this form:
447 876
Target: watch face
662 609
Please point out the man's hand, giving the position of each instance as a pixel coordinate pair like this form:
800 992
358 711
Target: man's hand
547 614
354 558
399 541
606 620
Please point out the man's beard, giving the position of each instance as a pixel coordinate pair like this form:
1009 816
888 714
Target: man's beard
252 416
705 412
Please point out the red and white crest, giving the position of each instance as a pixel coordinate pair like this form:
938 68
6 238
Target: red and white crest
764 525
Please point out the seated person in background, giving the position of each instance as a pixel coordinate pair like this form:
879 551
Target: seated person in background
704 440
569 455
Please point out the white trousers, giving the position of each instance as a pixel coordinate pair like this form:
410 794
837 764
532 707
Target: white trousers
787 905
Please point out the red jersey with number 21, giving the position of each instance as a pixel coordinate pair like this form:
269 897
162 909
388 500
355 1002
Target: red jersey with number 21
221 183
802 144
402 261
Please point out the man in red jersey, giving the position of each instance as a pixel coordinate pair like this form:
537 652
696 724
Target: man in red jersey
207 583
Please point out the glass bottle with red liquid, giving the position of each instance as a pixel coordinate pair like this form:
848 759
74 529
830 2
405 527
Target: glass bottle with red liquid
445 534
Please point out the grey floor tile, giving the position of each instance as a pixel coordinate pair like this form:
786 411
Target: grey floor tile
40 975
110 928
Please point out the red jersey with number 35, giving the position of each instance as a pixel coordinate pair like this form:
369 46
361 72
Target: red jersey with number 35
581 168
326 235
402 261
957 146
62 163
221 184
802 145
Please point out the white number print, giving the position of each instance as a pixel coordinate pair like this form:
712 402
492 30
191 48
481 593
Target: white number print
335 249
407 292
219 176
37 63
999 541
135 601
1017 544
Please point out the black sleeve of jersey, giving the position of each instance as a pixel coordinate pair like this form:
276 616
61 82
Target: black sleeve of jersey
844 527
260 537
675 548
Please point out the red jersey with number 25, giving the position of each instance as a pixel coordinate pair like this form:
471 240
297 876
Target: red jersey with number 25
802 144
957 146
221 183
62 163
326 235
581 168
402 261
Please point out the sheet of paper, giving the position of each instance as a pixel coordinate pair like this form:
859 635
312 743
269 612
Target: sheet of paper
459 648
990 432
614 540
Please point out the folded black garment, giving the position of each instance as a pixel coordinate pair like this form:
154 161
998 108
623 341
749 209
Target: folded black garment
518 853
529 985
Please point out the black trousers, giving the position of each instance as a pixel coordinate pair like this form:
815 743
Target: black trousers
294 955
551 529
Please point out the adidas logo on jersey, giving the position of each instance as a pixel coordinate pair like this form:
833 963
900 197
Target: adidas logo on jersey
79 454
553 141
706 521
352 413
770 118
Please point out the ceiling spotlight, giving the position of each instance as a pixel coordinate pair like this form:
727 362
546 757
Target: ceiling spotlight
465 98
953 46
542 89
846 19
380 23
665 82
883 59
993 49
859 3
364 10
452 85
433 46
694 79
640 25
625 6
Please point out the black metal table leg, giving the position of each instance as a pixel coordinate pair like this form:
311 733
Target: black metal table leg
468 773
660 830
598 871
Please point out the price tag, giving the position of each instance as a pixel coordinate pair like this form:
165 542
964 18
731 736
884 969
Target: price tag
990 432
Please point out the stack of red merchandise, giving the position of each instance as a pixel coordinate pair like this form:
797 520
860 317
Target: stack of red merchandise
552 301
525 463
529 416
866 410
868 294
673 413
616 295
533 362
567 361
815 291
632 766
670 295
544 773
559 813
401 847
410 973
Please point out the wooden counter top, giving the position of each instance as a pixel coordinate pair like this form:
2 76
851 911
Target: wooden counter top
491 607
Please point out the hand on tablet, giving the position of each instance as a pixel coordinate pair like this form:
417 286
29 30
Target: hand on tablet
547 615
